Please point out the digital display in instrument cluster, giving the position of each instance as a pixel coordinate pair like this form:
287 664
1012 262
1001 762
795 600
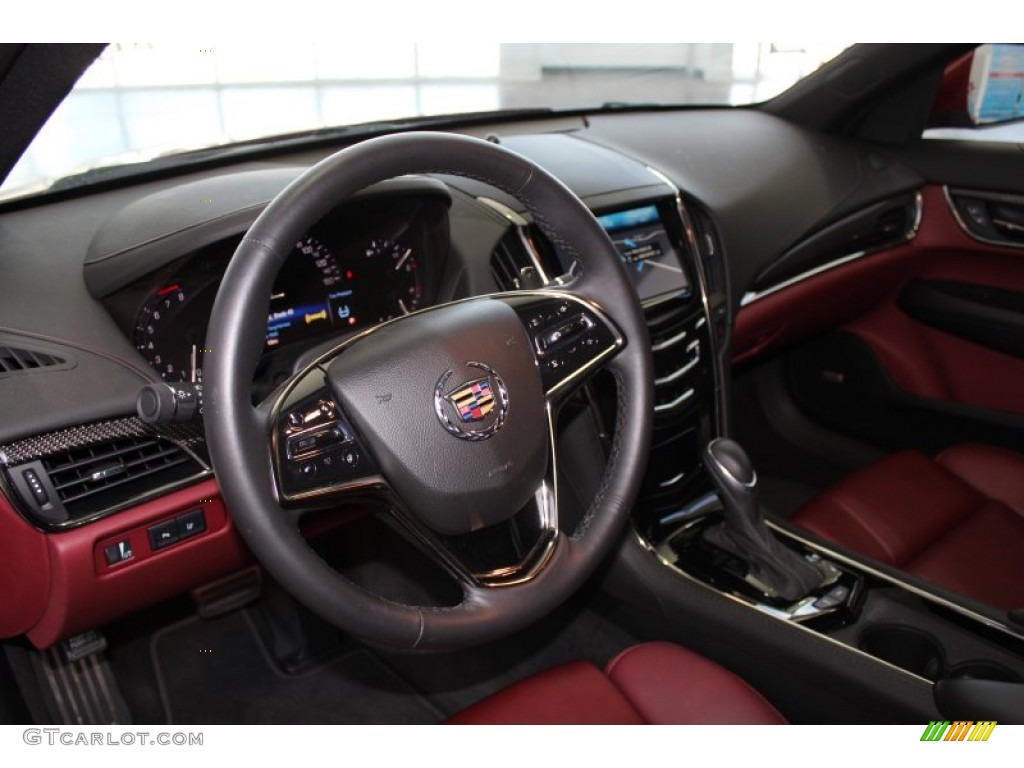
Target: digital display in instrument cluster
651 258
361 264
318 293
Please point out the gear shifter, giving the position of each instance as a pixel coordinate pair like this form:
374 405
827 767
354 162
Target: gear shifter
776 569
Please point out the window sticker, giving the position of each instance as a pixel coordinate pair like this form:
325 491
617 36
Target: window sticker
997 83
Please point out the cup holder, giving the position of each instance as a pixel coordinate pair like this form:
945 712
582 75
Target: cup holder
906 648
983 670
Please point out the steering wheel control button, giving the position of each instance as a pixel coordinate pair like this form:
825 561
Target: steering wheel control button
570 338
164 534
563 333
475 409
312 443
118 553
316 448
191 524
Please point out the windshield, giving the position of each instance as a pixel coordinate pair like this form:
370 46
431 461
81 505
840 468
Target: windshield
141 101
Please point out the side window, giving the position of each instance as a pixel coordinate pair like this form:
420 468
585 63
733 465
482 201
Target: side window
981 96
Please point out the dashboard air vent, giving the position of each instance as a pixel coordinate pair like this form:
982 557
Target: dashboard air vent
507 261
520 256
72 484
91 479
880 225
16 360
675 332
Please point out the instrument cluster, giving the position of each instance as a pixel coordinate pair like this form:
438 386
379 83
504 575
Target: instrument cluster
365 263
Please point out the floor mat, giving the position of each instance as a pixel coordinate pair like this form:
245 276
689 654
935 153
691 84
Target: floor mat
217 671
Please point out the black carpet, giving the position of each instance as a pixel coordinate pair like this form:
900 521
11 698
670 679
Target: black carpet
217 671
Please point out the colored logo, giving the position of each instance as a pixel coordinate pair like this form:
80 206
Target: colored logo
482 401
473 401
960 730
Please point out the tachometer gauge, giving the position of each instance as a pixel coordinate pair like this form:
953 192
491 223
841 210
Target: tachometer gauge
390 274
170 329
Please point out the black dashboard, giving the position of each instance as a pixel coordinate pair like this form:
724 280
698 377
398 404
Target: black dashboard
154 256
730 167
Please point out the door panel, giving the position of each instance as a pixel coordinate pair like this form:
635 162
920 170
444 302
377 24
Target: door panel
930 362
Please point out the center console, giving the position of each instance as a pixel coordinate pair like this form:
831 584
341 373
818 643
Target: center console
960 662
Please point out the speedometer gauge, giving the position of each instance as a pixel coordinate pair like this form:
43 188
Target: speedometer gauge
302 303
391 275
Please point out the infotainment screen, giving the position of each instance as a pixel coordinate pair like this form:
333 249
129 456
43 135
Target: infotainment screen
645 246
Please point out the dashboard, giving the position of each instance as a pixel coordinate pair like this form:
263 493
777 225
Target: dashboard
117 288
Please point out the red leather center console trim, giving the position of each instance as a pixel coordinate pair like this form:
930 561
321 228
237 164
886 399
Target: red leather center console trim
86 592
24 572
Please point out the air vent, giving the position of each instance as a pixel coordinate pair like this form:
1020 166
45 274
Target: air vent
678 332
890 227
91 479
675 333
885 224
19 359
523 259
507 261
67 486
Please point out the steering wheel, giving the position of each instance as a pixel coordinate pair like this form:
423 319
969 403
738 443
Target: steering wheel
445 416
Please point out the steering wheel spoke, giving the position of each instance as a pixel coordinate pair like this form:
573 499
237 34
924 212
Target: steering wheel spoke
571 338
318 458
503 554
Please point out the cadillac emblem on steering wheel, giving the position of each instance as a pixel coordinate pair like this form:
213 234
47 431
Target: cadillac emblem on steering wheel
482 401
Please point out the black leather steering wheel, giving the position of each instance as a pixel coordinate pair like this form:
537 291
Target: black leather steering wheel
445 415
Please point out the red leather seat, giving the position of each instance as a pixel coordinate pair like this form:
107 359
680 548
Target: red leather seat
654 683
957 521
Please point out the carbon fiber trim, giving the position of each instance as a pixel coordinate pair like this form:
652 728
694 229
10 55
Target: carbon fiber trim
190 437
